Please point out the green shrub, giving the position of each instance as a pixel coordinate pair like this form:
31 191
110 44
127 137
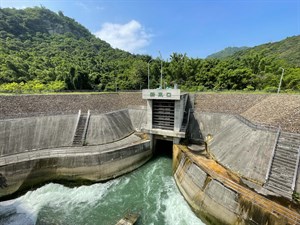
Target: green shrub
271 89
33 86
249 88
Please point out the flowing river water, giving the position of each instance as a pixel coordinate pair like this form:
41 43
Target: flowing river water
151 190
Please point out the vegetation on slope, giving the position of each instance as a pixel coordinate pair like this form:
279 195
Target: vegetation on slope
229 51
42 50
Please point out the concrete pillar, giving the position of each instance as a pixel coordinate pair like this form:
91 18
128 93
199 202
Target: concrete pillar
149 114
177 116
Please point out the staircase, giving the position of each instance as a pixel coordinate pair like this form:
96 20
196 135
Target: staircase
81 128
284 166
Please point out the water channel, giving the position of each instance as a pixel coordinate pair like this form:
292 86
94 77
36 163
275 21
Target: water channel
151 190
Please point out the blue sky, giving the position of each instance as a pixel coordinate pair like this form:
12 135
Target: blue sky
195 27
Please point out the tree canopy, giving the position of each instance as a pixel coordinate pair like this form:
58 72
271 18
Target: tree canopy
42 50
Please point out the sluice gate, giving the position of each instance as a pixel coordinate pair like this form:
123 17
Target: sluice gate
163 114
166 112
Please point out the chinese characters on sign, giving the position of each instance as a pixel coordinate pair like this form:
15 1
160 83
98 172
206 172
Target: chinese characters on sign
160 94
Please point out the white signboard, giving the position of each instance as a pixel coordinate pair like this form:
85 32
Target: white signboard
166 94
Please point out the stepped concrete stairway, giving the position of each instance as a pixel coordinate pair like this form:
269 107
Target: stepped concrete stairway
284 167
81 129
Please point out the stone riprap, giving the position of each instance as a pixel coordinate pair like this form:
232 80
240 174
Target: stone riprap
15 106
278 110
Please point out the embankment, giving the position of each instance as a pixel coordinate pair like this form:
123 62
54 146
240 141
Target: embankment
15 106
277 110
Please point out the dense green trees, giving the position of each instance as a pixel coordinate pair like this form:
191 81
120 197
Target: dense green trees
41 50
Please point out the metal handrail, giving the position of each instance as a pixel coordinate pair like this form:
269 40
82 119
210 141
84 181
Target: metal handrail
86 126
260 126
296 171
273 153
77 122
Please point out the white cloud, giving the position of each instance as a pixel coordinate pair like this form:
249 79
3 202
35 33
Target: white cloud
130 37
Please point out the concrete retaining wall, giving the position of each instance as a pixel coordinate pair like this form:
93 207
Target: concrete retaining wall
106 128
91 167
214 202
18 135
207 197
237 146
32 133
138 117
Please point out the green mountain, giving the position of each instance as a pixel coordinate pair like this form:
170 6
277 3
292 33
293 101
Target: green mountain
229 51
287 49
37 44
26 23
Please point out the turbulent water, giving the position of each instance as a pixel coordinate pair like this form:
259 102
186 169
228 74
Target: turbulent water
151 190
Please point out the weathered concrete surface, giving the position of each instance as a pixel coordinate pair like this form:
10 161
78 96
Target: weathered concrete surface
237 146
220 199
32 133
18 135
212 123
106 128
211 208
138 117
94 163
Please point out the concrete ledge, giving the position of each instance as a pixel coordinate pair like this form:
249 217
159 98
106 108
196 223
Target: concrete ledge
90 166
167 133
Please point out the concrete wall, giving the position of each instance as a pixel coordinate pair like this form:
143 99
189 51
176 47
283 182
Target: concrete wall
212 201
199 191
237 146
32 133
18 135
109 127
138 117
74 167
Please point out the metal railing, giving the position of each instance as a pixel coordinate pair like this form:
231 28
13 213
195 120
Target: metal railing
77 122
272 156
296 170
86 126
260 126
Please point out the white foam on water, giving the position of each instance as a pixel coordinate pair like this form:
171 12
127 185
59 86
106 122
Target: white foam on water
177 210
57 196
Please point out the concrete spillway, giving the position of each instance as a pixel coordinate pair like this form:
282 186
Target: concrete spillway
19 135
39 149
42 149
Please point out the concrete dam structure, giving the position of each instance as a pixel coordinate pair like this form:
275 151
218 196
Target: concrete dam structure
239 164
37 149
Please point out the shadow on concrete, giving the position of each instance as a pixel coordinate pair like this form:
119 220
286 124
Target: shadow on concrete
3 181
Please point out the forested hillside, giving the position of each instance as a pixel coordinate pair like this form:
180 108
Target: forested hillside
229 51
288 49
39 46
42 50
